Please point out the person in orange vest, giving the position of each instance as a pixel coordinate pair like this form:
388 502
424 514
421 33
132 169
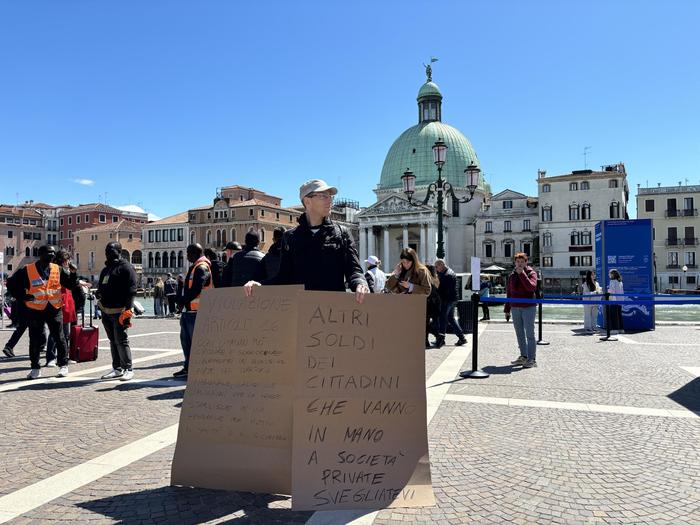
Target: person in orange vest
197 280
39 284
115 293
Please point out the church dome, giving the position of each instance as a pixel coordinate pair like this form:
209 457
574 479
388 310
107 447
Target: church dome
413 149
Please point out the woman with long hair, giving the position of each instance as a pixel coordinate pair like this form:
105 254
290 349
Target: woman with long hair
590 312
615 289
410 275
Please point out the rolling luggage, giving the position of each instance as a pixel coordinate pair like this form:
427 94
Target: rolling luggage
84 340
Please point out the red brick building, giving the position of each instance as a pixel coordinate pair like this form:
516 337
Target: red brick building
74 219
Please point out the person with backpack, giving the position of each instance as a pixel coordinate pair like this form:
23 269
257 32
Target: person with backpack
318 253
376 278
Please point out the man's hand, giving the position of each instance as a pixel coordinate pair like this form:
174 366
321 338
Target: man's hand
248 288
518 269
125 318
360 293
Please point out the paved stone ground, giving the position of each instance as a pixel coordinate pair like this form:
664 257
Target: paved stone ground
493 460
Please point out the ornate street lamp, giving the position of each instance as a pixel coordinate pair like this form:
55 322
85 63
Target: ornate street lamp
685 270
440 187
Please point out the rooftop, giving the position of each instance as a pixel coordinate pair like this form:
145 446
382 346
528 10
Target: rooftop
121 225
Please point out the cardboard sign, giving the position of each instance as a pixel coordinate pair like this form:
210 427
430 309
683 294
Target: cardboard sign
236 421
360 432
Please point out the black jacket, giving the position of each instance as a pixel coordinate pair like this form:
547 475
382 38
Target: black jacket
170 286
272 259
321 261
217 272
448 286
117 285
247 266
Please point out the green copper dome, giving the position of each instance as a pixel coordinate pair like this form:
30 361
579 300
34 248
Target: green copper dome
429 89
414 150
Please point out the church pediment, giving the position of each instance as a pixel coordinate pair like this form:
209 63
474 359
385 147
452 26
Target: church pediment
508 195
392 205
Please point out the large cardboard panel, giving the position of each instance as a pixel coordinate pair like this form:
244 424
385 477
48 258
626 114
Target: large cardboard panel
236 421
360 431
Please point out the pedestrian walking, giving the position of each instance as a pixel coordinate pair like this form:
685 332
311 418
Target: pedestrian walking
376 278
115 294
485 291
318 253
433 308
616 291
197 280
522 284
590 312
248 263
448 300
20 319
170 287
159 298
39 285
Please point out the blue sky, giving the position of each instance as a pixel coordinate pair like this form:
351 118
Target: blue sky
158 103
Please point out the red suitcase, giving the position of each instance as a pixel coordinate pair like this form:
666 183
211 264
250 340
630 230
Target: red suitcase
84 340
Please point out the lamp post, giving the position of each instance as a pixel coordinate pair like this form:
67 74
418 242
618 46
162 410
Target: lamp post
685 270
440 187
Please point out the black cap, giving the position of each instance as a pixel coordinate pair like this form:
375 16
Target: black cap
233 245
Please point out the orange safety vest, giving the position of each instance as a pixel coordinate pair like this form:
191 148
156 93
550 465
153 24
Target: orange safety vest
194 303
44 292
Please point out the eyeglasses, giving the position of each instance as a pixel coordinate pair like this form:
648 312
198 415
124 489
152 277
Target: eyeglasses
322 196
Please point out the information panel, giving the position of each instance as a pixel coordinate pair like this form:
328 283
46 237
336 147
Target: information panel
627 246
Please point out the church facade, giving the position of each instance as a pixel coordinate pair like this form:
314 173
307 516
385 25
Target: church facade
394 222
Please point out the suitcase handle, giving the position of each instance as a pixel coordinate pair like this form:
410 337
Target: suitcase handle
90 298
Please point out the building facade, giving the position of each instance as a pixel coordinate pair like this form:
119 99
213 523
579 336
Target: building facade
89 247
165 247
570 206
73 219
507 224
674 213
235 211
394 222
22 232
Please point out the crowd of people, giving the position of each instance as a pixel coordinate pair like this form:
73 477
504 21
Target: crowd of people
319 254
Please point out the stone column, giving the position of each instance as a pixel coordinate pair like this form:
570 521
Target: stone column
387 261
446 239
405 236
432 239
363 244
371 241
423 251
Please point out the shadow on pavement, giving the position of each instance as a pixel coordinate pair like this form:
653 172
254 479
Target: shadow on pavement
688 395
189 506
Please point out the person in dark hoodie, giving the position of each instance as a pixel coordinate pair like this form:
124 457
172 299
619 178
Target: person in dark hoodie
248 263
115 294
318 253
272 258
522 284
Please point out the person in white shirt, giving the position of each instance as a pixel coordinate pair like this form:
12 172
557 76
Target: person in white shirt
615 288
590 312
376 278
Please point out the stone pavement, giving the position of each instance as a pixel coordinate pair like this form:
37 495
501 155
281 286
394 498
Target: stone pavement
600 432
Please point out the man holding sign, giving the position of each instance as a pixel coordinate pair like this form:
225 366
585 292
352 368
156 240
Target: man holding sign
318 253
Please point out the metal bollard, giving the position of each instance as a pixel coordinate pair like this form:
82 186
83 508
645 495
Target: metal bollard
475 373
540 342
607 336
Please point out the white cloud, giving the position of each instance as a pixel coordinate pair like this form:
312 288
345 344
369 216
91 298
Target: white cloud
84 182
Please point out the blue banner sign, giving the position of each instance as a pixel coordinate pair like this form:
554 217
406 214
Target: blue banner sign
626 246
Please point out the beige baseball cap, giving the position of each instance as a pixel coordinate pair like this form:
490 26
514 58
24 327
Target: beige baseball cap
315 185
